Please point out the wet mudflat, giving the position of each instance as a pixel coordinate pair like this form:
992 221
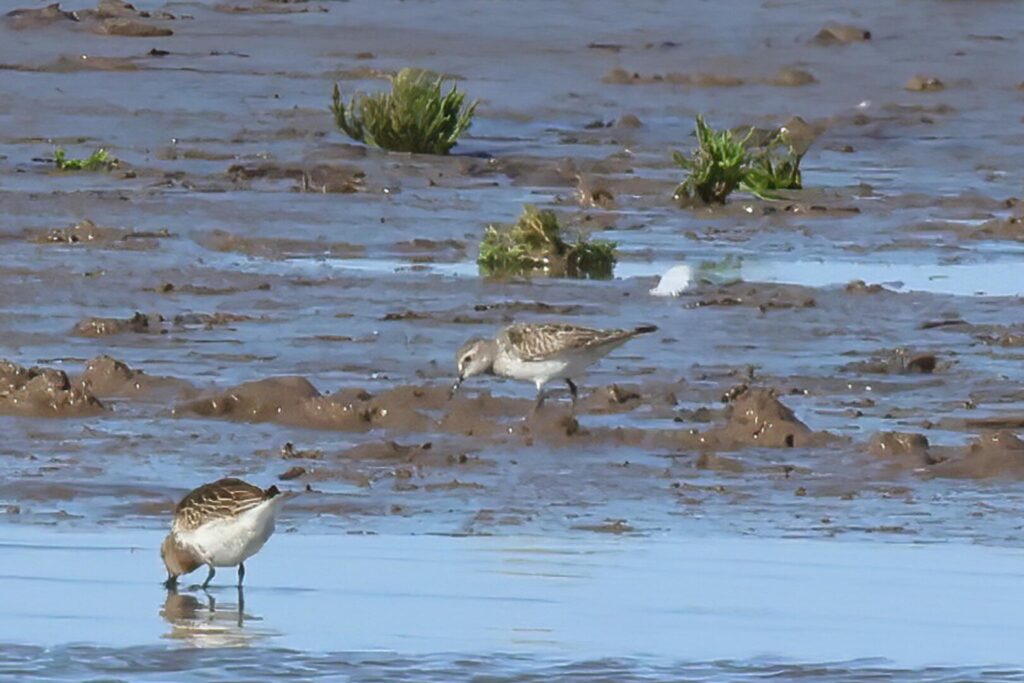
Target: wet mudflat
249 293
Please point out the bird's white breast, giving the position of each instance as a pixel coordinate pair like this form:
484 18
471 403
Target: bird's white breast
229 541
537 371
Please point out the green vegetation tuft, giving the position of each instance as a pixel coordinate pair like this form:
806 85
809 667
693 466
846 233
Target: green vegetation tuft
723 162
775 165
100 160
414 117
535 245
716 167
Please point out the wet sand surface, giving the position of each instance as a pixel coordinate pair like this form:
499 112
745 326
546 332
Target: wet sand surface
249 293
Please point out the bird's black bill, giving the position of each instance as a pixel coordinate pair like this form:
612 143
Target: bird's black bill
171 583
455 389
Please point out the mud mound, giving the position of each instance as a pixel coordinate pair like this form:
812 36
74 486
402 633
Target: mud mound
109 17
998 454
43 392
1003 228
792 78
21 19
924 84
478 414
355 410
841 34
614 398
906 448
115 18
262 400
105 376
757 418
294 401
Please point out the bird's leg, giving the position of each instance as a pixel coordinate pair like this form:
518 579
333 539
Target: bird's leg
573 391
241 573
209 577
540 398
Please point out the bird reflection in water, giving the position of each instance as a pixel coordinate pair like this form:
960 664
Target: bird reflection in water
203 621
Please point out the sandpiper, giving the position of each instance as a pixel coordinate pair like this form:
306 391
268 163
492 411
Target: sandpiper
540 353
220 524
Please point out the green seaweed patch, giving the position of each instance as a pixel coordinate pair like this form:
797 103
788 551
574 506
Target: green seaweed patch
415 116
534 246
100 160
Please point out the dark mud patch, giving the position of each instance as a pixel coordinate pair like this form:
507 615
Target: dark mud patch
422 250
154 323
760 295
87 233
276 248
253 284
899 361
620 76
610 526
66 64
322 178
499 313
175 153
273 7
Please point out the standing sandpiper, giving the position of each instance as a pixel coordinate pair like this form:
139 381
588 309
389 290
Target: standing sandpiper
540 353
220 524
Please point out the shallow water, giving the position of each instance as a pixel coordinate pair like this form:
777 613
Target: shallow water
417 607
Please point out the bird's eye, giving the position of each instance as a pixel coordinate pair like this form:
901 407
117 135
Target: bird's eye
467 359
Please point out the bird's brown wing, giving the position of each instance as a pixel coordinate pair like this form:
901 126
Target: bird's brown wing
220 499
536 342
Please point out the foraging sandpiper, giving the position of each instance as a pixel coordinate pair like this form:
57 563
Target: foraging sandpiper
540 353
220 524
